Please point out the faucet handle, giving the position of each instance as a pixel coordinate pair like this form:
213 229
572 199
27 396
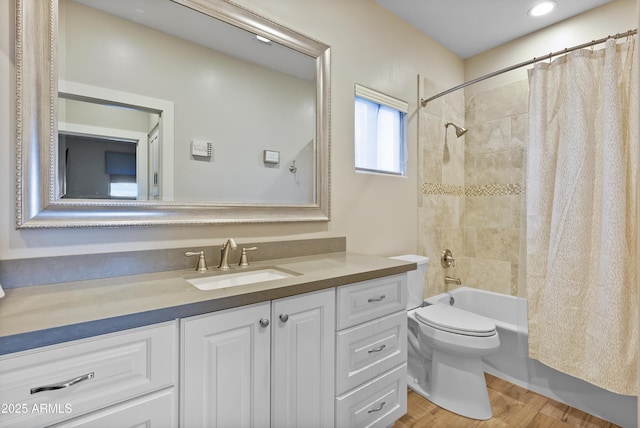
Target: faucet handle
243 257
446 259
202 264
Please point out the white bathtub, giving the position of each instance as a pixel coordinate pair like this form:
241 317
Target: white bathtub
513 364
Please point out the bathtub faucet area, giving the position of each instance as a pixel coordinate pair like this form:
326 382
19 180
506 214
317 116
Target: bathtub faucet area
452 280
447 261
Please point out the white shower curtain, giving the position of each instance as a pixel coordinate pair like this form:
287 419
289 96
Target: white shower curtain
582 215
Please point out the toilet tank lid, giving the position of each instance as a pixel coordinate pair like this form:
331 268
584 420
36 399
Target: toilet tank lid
420 260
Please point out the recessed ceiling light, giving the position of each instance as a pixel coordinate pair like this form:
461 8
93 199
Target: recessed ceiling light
263 39
542 8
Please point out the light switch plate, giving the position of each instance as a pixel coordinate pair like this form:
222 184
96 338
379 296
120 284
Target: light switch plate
271 156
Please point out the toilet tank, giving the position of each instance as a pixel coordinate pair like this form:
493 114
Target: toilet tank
415 279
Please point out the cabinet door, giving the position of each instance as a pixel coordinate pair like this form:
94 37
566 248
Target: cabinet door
225 368
303 360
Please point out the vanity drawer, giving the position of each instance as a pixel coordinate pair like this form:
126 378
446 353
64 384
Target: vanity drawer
378 403
60 382
157 410
368 350
367 300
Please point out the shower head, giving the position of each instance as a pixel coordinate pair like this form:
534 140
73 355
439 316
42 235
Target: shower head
459 131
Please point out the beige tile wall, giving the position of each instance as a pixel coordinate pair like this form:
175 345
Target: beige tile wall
473 186
441 204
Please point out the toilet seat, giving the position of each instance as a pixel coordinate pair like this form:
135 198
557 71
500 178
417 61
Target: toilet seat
453 320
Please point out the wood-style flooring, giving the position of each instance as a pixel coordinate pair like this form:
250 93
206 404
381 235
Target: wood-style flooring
513 407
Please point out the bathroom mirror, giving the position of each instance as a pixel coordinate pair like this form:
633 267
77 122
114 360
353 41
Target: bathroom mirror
174 140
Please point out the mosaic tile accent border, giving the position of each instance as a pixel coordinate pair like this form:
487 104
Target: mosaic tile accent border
494 190
482 190
442 189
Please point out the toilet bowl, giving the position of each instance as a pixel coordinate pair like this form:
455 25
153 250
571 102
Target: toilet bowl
454 341
445 351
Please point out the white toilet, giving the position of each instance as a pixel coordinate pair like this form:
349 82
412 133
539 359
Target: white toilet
445 351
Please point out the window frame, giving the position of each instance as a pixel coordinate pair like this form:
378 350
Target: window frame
389 102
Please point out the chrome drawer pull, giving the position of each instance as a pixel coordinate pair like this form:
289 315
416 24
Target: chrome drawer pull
65 384
378 409
377 349
376 299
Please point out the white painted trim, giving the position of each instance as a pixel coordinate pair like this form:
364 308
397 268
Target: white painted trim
380 98
156 105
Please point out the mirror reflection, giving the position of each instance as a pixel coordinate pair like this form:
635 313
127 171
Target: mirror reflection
107 152
158 103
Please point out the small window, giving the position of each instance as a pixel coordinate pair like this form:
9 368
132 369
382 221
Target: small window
123 186
380 133
123 190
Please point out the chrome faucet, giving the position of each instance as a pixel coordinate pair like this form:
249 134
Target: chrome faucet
224 254
452 280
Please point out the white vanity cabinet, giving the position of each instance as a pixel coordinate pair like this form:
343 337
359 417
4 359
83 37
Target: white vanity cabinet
303 351
371 352
225 379
94 382
335 357
267 364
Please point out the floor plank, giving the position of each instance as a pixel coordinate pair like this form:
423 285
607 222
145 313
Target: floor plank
512 406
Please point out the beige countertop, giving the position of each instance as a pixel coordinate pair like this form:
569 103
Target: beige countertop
47 314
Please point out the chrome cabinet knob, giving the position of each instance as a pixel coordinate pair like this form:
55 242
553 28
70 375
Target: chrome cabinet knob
264 322
284 317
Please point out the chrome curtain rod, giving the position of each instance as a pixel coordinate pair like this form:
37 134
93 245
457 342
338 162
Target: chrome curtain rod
629 33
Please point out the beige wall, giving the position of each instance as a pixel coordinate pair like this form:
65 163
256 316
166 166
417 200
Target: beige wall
378 215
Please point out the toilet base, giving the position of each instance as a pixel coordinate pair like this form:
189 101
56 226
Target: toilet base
457 384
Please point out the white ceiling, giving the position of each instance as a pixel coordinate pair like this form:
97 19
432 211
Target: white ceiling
469 27
196 27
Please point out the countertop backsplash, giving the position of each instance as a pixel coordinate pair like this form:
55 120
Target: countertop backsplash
50 270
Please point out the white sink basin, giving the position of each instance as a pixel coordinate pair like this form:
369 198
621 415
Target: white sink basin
239 278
